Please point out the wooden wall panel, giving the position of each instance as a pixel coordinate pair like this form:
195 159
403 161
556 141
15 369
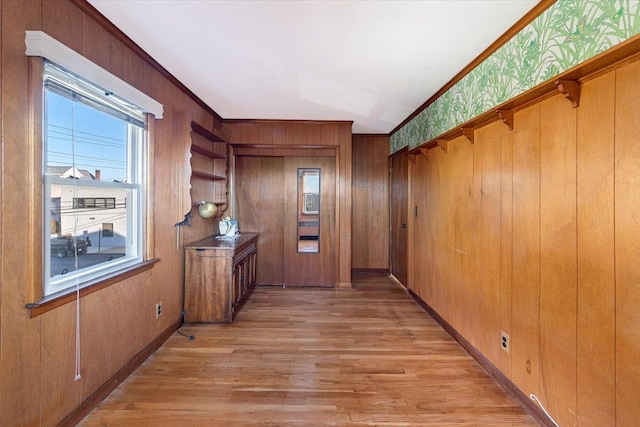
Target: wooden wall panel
135 317
370 205
466 218
96 337
20 387
2 162
96 43
525 368
558 259
116 326
444 188
627 230
595 246
558 229
343 201
432 281
506 241
62 392
62 23
488 142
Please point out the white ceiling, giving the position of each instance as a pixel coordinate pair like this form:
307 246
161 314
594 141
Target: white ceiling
373 62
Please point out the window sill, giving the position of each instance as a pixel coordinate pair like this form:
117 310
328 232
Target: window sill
55 301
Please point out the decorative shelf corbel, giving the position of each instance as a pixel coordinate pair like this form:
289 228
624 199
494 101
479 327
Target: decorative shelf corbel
412 157
424 152
507 117
571 90
468 133
443 143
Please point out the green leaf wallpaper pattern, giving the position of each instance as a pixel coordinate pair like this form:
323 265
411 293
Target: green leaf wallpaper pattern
565 35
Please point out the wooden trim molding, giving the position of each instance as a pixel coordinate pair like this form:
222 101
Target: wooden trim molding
527 404
309 122
373 271
55 301
99 395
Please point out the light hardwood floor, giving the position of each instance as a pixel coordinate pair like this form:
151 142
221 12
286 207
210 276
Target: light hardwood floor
313 357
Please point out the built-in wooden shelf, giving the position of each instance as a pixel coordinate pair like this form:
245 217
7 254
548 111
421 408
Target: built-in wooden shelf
209 165
211 136
207 153
206 175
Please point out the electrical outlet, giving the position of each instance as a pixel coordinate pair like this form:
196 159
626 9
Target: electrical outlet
159 309
504 341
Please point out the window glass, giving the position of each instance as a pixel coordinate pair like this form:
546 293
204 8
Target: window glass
309 210
93 145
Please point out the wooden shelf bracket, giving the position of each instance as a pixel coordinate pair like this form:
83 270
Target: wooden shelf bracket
424 152
444 144
412 157
468 133
507 117
571 90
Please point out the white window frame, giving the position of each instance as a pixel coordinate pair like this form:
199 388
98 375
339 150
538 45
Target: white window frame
40 44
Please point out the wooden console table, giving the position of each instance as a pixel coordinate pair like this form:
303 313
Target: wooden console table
219 276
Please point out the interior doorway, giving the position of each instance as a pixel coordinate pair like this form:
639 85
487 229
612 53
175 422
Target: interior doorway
399 220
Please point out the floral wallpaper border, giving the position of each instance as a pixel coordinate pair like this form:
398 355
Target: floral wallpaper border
565 35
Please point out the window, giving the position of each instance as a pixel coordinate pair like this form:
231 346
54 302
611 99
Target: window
107 229
93 151
92 202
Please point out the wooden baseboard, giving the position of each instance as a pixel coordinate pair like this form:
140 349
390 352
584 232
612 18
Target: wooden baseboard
372 271
527 404
101 393
395 279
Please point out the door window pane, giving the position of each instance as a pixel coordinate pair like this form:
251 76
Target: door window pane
308 210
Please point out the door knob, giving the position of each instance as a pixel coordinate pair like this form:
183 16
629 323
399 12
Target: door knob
405 226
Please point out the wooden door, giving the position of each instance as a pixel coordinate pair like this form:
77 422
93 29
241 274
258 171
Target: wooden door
399 231
259 184
310 269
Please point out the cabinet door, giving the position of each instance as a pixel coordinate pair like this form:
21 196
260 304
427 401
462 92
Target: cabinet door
207 289
237 287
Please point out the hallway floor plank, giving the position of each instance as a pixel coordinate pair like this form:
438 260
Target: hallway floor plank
314 357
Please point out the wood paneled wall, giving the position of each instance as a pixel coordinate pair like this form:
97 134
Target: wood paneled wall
370 206
535 232
37 355
295 138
